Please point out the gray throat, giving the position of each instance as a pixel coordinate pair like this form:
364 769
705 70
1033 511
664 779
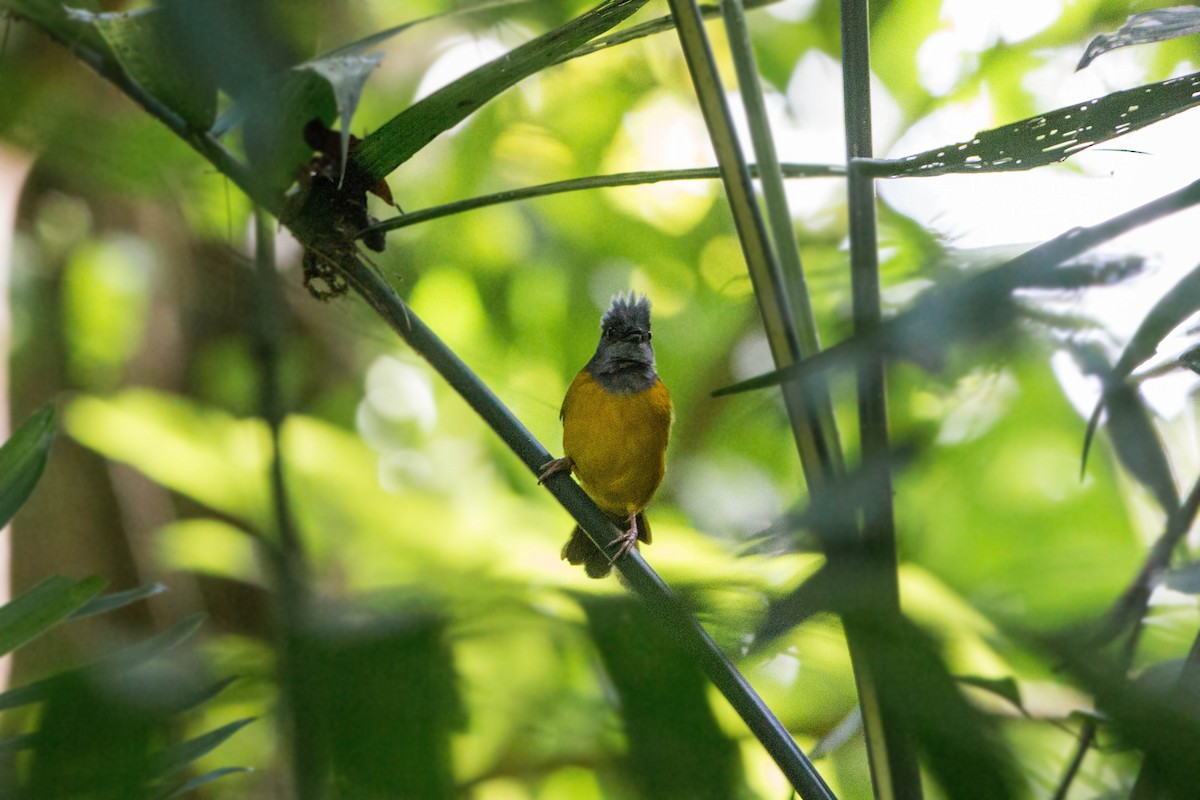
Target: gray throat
624 377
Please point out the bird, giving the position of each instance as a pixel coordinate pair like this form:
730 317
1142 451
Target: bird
616 418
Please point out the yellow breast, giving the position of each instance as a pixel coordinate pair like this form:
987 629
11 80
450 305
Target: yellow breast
618 442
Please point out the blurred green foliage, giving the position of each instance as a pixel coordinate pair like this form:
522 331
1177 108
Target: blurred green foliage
449 650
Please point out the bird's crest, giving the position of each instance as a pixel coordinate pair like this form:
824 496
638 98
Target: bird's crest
627 310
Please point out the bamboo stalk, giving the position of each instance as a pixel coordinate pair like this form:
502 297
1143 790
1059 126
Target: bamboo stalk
894 768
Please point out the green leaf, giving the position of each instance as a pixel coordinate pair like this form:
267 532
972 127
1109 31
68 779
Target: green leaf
178 756
54 17
676 748
119 662
1138 445
1179 303
1006 688
381 701
36 611
851 725
1158 25
202 780
111 602
410 130
144 50
23 459
219 461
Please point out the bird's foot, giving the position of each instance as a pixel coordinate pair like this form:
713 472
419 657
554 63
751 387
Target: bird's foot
628 540
552 468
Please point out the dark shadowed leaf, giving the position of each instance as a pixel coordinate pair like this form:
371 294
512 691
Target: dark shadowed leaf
23 459
380 702
1171 310
118 663
111 602
675 747
409 131
202 780
1138 445
1157 25
1159 715
36 611
91 743
960 745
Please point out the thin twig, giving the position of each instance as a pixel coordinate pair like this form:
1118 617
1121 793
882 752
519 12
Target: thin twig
591 182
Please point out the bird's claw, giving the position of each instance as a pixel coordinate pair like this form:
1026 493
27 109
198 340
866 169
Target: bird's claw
553 467
627 540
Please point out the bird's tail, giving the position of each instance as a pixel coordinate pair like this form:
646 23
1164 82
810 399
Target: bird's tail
580 550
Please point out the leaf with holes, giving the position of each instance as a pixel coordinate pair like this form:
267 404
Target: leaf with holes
1051 137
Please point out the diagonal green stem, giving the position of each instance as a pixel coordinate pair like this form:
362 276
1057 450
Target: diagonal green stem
666 607
663 603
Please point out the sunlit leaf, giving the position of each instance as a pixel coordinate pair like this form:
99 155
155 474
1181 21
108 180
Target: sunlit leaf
23 459
203 453
1156 25
850 726
36 611
179 756
405 134
1006 688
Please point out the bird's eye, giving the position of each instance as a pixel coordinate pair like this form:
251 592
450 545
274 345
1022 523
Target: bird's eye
610 334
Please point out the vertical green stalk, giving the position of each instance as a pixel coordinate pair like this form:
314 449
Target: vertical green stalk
894 768
779 216
765 273
285 552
